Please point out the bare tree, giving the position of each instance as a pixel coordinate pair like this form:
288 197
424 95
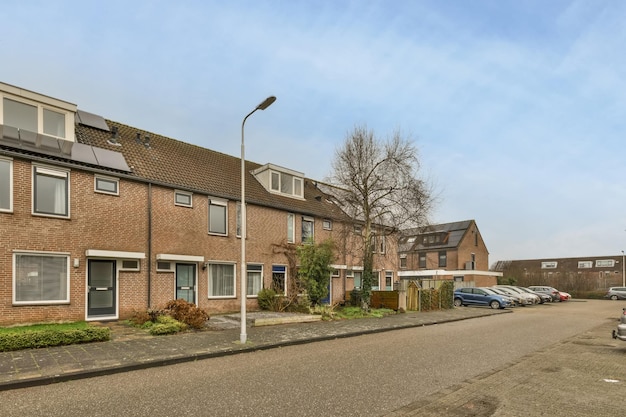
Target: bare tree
376 183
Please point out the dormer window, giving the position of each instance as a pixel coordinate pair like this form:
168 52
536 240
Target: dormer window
32 112
280 180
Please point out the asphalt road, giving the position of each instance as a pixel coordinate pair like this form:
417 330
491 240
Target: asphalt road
366 375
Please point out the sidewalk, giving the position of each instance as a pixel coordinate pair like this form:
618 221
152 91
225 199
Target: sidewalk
131 349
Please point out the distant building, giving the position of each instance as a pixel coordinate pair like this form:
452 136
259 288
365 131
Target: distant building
590 273
448 251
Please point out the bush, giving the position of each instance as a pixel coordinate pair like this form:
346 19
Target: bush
187 313
166 325
267 299
355 298
29 339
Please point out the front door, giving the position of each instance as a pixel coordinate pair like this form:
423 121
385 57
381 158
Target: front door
186 282
101 283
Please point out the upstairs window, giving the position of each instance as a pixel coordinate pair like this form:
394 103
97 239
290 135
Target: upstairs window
291 228
106 185
6 185
183 198
279 180
36 117
422 260
402 261
443 259
51 192
285 183
218 217
307 229
327 224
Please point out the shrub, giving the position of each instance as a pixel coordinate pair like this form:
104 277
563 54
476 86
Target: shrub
269 300
355 298
166 325
187 313
29 339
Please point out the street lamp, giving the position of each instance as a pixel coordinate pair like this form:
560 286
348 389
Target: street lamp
264 105
623 270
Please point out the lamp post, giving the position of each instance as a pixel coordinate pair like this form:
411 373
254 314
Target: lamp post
264 105
623 270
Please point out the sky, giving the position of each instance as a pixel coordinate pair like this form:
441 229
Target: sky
517 108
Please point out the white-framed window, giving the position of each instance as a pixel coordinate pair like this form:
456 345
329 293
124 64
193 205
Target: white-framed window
41 278
585 264
254 280
308 227
183 198
334 273
51 190
6 184
349 273
358 279
129 265
218 217
383 244
164 266
403 261
36 117
549 265
291 228
284 183
388 280
605 263
106 185
221 280
327 224
358 229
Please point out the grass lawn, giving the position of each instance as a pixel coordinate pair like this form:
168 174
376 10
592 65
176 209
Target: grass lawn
47 326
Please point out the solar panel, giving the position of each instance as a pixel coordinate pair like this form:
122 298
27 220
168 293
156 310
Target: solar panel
110 159
92 120
83 153
48 145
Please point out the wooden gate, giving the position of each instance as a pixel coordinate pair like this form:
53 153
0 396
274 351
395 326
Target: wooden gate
412 297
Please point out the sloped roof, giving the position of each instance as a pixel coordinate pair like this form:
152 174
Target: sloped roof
454 233
182 165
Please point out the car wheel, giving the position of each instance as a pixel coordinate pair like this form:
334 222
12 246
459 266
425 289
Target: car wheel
494 304
458 302
614 297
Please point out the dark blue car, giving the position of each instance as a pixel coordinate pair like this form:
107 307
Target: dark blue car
480 296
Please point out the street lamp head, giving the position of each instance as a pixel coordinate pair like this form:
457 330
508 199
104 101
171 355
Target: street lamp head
266 103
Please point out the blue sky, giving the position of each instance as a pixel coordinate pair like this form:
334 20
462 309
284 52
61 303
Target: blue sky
518 108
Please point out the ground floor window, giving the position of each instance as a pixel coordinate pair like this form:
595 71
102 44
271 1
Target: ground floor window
255 279
221 280
358 279
388 280
279 279
41 278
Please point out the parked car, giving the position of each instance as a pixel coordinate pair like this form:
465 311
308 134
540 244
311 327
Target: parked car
620 333
517 298
543 298
479 296
551 291
616 293
564 296
527 299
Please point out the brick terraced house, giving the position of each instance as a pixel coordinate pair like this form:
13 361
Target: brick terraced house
99 219
448 251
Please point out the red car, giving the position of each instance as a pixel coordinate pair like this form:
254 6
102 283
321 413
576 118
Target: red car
563 296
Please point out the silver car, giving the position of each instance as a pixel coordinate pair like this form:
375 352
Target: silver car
616 293
620 333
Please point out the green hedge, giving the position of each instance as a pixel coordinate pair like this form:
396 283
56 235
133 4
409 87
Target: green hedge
30 339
